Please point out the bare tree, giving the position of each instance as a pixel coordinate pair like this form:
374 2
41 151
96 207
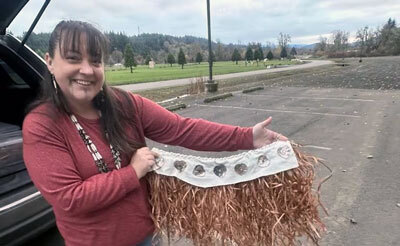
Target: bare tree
340 41
366 38
219 52
283 40
323 44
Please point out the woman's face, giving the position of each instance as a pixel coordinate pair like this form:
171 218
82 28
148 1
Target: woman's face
79 76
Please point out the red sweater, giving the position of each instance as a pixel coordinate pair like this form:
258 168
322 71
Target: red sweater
109 208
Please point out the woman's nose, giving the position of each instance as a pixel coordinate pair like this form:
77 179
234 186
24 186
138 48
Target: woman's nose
86 67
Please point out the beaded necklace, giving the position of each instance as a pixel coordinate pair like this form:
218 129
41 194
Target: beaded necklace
98 159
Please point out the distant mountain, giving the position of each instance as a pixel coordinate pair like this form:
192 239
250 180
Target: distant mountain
297 46
303 46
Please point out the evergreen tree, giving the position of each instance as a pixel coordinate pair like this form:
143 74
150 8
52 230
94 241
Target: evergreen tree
181 58
270 56
283 53
258 54
293 52
199 58
171 59
236 56
249 54
129 58
261 53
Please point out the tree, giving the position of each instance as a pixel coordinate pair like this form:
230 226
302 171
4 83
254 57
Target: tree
258 54
386 37
129 58
249 54
171 59
283 53
270 56
181 58
283 40
365 38
116 56
293 52
219 52
322 45
261 52
340 41
199 58
236 56
148 59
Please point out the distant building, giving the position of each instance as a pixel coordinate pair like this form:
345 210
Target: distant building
118 65
151 64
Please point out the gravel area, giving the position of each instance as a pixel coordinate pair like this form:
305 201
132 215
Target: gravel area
379 73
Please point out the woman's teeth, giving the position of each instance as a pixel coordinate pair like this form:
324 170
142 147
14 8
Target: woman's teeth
83 82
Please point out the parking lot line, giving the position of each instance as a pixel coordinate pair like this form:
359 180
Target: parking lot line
316 147
317 98
279 111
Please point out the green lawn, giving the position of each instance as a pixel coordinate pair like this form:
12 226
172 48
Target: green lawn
143 73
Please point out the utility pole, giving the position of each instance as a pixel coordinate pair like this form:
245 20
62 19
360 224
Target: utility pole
211 85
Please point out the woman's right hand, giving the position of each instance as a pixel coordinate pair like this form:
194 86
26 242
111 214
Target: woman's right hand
142 161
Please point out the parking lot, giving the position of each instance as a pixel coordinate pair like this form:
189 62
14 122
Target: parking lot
356 131
354 126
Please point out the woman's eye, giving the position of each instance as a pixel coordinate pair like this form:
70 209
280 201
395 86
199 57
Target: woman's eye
73 58
96 62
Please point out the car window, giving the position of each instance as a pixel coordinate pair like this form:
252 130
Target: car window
25 18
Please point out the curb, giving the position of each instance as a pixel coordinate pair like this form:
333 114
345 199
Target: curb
175 107
217 97
253 89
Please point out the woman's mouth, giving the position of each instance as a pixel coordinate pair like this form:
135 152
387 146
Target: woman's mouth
82 82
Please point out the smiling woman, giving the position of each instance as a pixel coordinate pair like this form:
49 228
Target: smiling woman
84 143
77 70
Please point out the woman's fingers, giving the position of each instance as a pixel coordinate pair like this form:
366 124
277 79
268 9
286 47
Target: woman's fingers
155 154
266 122
143 161
279 137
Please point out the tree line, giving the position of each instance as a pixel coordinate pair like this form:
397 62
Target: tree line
380 41
168 49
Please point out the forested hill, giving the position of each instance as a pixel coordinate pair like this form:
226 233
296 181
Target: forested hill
153 46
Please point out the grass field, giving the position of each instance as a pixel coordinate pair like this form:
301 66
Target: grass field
161 72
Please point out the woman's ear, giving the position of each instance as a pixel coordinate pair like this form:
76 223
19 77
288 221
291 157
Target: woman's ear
49 62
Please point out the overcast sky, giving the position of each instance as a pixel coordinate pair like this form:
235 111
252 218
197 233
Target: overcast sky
232 21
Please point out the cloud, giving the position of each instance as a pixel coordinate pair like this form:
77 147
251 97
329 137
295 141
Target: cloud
231 20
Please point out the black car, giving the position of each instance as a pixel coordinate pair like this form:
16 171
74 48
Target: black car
24 213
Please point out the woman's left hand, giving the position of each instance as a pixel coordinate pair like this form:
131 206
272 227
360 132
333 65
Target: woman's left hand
262 136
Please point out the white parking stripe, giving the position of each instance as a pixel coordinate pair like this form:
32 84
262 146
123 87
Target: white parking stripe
280 111
315 147
317 98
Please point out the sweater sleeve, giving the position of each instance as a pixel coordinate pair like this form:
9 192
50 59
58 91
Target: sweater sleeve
166 127
54 173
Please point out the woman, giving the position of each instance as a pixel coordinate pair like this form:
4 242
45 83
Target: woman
84 143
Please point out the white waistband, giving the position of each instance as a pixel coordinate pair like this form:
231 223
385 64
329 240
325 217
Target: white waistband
209 172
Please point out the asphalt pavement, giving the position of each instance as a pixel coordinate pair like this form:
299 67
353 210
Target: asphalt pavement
355 131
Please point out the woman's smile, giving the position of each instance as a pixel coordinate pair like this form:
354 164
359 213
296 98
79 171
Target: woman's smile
82 82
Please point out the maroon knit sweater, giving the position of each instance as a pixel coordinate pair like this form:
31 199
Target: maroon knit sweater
109 208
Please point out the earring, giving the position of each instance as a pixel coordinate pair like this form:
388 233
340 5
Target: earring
102 96
53 79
